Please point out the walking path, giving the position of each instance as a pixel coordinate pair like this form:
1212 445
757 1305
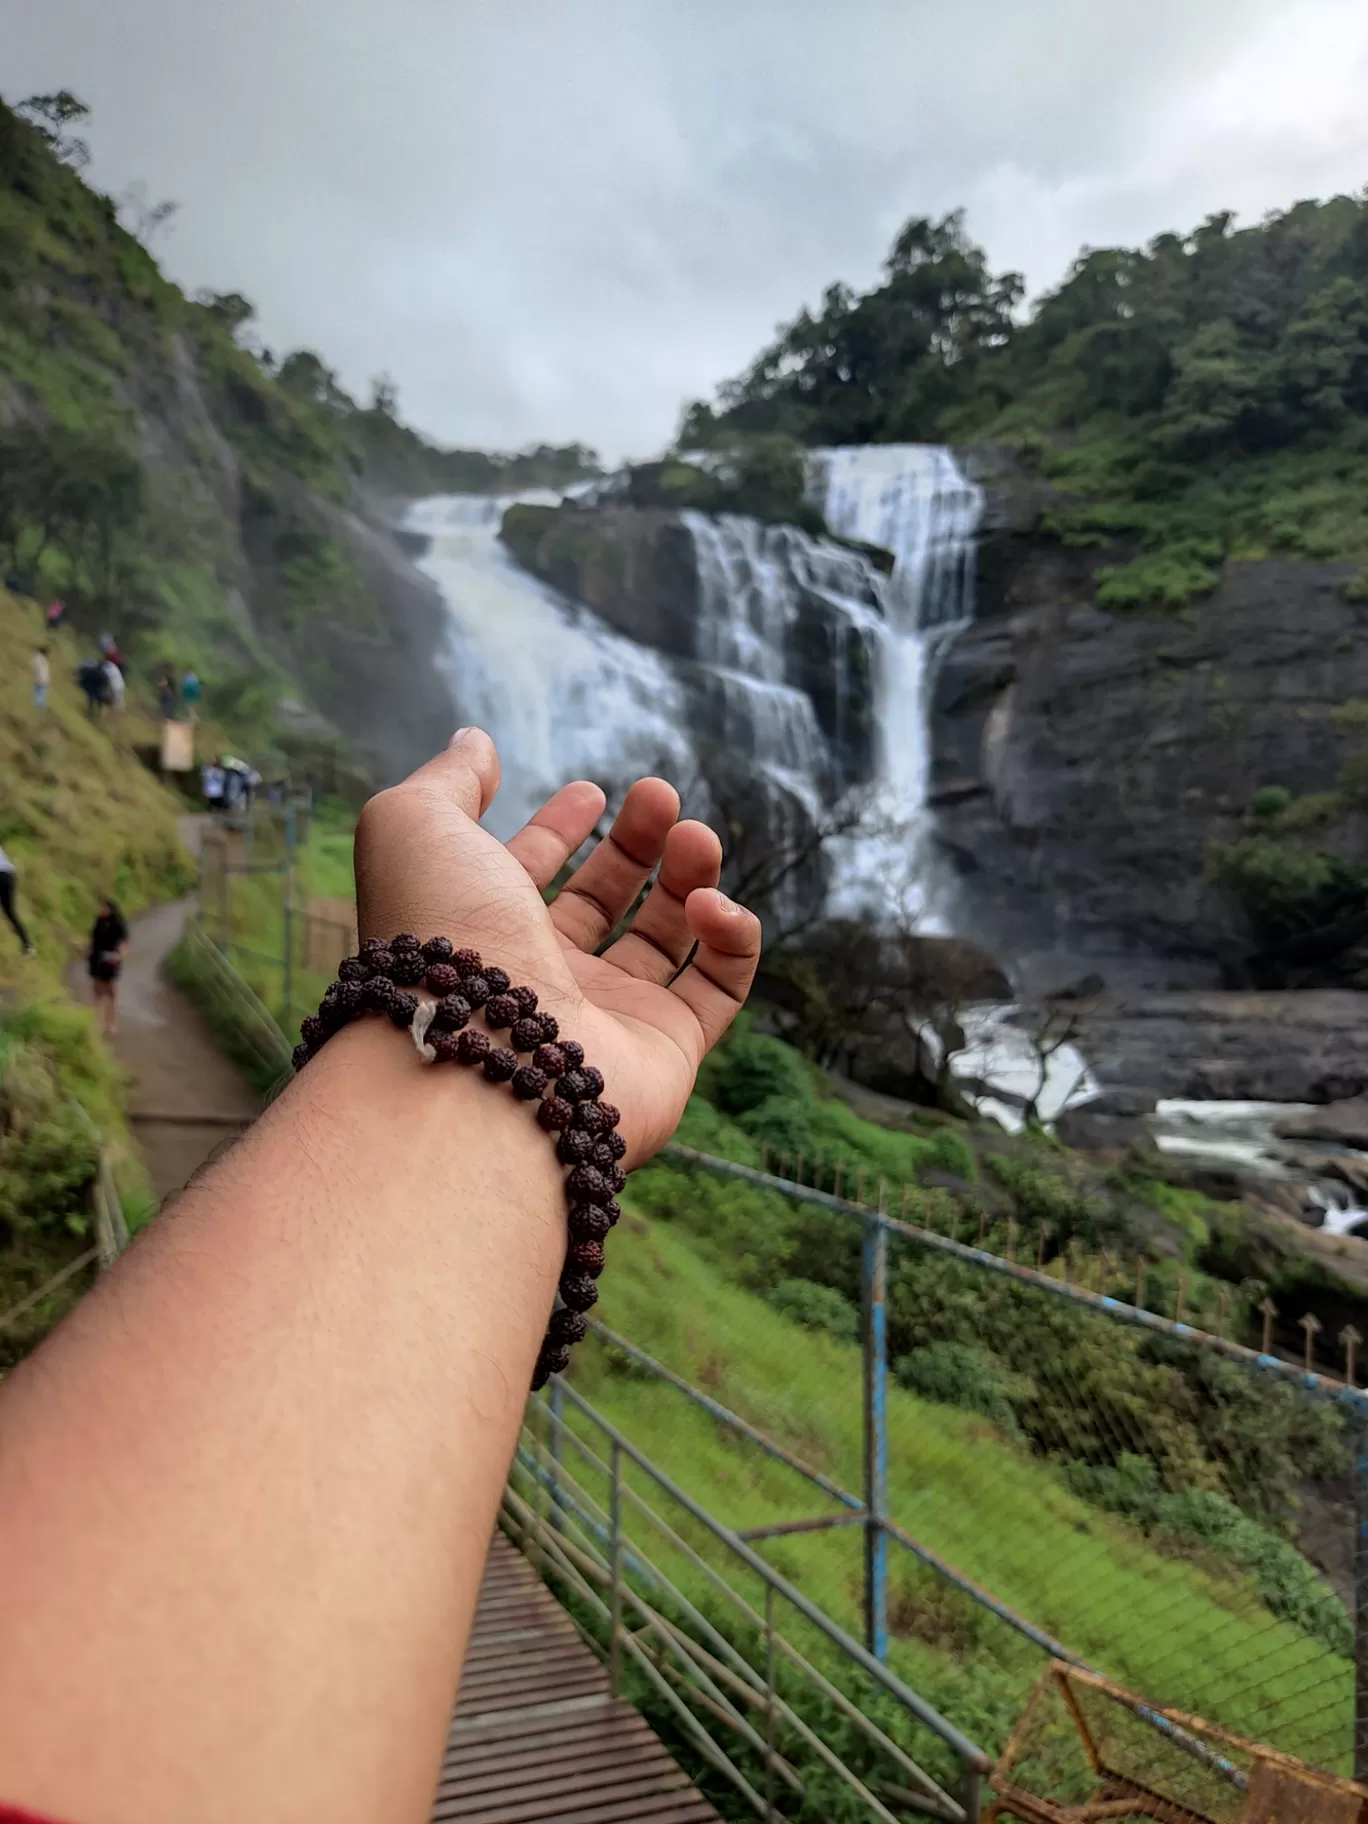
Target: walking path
187 1099
538 1737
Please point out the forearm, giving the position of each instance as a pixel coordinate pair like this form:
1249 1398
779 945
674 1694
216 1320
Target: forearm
280 1416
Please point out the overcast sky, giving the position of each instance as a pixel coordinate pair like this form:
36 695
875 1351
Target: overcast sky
559 219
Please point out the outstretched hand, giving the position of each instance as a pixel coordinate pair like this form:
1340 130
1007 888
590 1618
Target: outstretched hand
424 864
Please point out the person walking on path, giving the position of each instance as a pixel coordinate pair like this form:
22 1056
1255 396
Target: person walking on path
166 695
212 781
56 614
114 680
42 678
108 941
91 677
9 886
190 695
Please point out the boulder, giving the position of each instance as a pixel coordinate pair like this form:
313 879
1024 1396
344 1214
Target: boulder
1344 1122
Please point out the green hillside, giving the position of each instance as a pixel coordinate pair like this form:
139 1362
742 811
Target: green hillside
81 818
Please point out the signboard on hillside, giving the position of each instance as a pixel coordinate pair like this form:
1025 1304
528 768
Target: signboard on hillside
178 747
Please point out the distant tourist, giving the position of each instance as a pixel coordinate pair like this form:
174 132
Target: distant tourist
190 695
9 884
56 614
93 681
166 696
114 683
42 678
108 942
211 785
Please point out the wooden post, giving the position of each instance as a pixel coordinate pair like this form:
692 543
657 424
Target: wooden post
906 1200
1222 1309
1141 1269
1041 1241
840 1167
798 1170
1350 1339
983 1226
859 1187
1011 1238
1182 1288
1268 1311
1311 1325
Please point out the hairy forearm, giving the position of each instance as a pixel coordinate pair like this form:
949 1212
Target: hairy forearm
280 1416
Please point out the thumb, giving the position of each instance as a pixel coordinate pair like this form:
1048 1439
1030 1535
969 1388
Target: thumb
466 771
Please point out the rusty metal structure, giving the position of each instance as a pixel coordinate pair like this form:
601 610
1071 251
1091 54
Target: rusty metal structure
1112 1756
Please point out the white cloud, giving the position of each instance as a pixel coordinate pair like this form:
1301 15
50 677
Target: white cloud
561 218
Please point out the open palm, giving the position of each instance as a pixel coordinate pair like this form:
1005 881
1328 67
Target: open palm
424 864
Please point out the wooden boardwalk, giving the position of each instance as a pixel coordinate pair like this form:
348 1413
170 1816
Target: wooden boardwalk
537 1737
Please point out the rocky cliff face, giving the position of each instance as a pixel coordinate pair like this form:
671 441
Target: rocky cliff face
1085 761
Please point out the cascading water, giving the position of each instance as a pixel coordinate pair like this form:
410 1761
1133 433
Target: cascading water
563 695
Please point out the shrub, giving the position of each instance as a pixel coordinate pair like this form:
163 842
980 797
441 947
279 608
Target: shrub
755 1069
1269 801
1168 579
1286 1583
957 1374
817 1308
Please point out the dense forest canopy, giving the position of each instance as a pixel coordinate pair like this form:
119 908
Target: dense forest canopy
1226 339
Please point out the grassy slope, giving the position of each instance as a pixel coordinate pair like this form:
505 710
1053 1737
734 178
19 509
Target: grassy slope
1163 1624
81 818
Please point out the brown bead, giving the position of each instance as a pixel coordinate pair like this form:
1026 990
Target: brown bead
574 1146
587 1222
437 950
402 1008
300 1056
372 947
527 1031
501 1066
475 989
551 1059
452 1013
528 1083
405 941
442 979
498 980
381 961
587 1184
612 1113
443 1046
554 1115
612 1209
553 1359
616 1145
353 969
472 1046
594 1078
592 1119
550 1029
567 1327
585 1257
601 1155
616 1177
541 1374
377 991
578 1291
313 1031
526 999
467 961
408 968
574 1052
500 1011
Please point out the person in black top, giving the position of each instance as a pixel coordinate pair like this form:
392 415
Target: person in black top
108 941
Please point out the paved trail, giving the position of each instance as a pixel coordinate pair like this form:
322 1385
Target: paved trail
187 1099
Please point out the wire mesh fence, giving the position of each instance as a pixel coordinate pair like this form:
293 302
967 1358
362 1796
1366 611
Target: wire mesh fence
1004 1469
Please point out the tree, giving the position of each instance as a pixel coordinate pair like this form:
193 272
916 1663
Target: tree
145 219
384 396
52 115
229 308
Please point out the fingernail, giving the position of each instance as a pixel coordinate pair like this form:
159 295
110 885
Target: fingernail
460 738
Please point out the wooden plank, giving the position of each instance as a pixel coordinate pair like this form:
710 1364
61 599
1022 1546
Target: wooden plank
536 1737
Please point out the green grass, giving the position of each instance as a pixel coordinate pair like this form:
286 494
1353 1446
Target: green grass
1177 1626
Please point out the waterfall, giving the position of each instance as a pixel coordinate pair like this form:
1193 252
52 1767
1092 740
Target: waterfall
913 501
809 673
563 695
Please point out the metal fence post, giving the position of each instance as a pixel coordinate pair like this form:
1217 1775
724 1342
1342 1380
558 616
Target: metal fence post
615 1565
557 1403
770 1813
873 1299
1361 1603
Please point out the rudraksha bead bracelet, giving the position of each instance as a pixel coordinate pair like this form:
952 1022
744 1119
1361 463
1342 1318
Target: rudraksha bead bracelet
567 1092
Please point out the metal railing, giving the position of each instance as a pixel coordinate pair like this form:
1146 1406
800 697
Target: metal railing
1124 1493
741 1660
